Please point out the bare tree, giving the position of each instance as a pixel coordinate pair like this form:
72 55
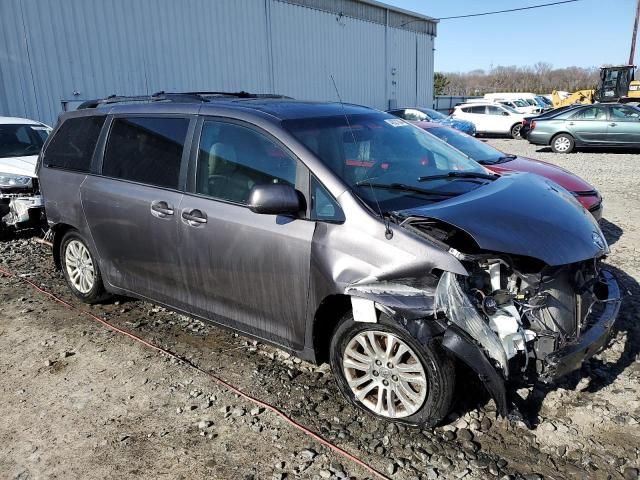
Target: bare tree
539 78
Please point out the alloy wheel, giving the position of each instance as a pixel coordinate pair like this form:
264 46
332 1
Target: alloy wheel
79 266
385 374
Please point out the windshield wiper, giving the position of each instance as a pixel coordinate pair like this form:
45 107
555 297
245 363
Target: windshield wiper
407 188
454 175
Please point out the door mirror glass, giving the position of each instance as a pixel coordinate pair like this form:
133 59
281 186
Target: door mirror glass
275 199
506 114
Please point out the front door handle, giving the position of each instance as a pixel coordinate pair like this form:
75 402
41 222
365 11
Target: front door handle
161 209
612 124
194 217
571 123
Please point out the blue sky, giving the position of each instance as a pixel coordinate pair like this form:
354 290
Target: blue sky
585 33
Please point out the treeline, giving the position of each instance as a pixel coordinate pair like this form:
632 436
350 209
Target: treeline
539 78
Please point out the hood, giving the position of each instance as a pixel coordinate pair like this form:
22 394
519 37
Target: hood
19 165
562 177
522 214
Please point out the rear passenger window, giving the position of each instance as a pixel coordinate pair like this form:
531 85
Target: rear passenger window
73 144
232 159
146 150
478 109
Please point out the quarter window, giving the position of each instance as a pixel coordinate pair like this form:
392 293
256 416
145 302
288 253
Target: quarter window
73 144
232 159
146 150
491 110
323 206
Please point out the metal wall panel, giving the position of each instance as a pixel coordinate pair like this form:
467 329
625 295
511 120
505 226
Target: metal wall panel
424 73
58 50
310 45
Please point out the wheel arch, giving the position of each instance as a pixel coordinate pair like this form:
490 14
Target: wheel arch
562 132
59 230
327 316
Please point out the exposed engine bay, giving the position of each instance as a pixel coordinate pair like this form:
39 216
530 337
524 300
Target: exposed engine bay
521 311
532 310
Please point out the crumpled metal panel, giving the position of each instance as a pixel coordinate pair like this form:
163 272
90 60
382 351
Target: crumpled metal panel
451 299
522 214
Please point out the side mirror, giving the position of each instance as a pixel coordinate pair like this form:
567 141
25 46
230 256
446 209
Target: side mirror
506 114
275 199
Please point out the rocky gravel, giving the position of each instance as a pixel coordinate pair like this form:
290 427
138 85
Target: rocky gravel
82 402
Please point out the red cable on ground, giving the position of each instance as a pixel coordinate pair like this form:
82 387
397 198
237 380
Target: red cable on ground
218 380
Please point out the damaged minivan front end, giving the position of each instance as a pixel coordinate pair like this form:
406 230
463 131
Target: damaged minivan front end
533 311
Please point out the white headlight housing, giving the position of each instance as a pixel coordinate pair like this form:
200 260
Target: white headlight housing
11 180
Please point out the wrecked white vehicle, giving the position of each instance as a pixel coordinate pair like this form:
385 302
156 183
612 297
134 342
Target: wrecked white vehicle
21 140
337 232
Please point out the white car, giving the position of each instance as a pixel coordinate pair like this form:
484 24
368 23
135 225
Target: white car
520 106
20 143
490 117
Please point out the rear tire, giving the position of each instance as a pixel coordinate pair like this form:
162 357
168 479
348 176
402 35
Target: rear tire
563 143
80 269
386 372
515 131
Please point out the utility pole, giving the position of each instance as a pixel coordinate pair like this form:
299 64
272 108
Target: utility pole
635 32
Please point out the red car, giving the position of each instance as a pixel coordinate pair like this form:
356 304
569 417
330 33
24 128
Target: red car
499 162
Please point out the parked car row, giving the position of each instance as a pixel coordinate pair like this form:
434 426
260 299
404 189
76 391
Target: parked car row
419 114
338 233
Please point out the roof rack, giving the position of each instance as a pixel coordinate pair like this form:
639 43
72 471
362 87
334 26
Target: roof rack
179 97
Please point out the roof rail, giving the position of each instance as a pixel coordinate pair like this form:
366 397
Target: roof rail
179 97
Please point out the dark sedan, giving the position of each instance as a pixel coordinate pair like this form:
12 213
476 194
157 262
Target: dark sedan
597 125
415 114
500 162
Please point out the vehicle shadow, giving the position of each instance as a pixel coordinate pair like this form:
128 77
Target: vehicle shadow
600 373
611 231
608 150
9 234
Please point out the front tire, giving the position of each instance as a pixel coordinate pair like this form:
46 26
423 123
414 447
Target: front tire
563 143
80 269
384 371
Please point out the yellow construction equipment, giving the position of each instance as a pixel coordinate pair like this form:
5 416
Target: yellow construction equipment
617 85
581 96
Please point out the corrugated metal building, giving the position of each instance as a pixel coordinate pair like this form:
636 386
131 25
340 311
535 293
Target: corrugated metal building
56 53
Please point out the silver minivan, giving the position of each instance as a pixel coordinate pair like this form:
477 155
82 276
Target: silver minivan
336 232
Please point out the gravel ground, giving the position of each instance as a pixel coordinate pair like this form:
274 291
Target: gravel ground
82 402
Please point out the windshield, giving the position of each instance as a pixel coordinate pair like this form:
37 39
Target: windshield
520 103
474 148
382 158
545 101
21 140
510 109
433 114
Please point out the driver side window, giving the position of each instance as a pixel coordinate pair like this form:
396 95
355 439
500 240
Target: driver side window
624 114
233 158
